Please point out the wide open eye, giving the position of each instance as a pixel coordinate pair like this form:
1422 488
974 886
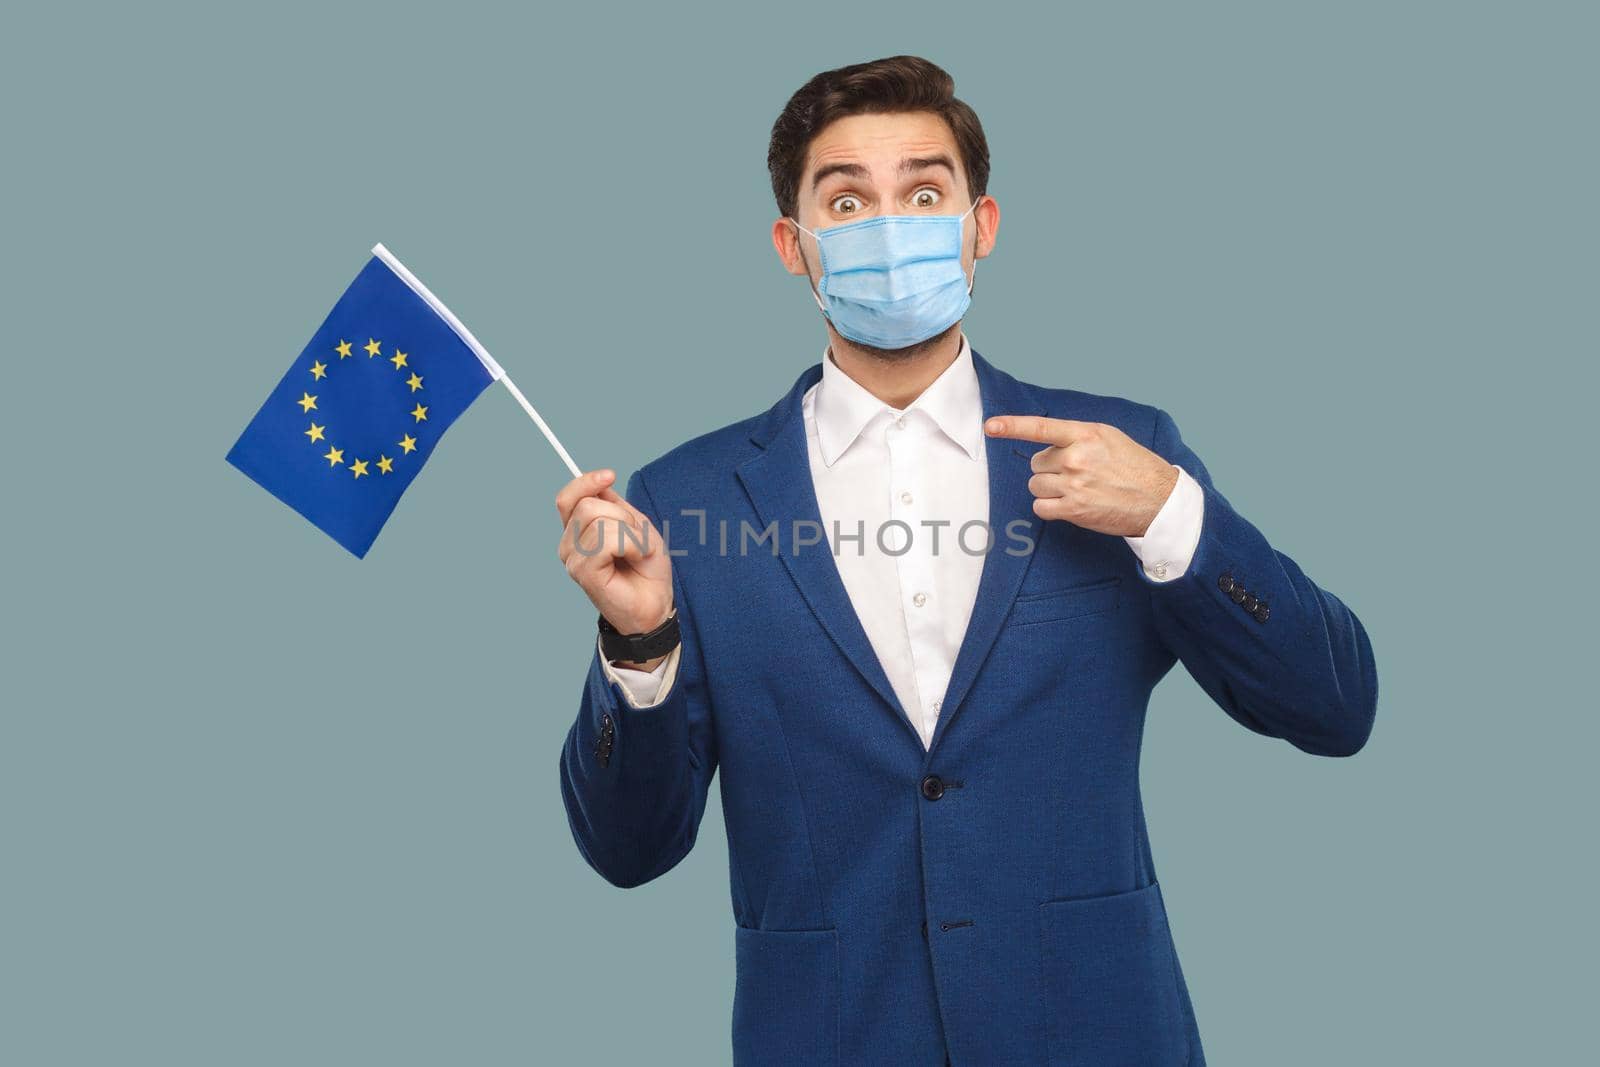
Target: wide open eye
846 204
925 197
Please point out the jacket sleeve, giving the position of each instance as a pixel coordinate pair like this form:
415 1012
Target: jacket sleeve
1300 667
634 779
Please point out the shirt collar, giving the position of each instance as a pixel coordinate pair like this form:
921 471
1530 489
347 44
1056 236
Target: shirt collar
844 407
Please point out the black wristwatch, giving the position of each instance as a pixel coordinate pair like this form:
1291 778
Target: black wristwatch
637 648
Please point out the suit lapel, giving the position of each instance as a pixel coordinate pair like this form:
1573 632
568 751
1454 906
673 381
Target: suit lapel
778 481
1012 523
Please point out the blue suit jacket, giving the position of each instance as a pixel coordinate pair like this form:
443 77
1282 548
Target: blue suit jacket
993 898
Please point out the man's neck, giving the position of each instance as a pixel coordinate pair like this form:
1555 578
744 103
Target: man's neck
899 381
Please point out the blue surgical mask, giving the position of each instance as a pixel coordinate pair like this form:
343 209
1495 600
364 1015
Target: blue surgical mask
893 280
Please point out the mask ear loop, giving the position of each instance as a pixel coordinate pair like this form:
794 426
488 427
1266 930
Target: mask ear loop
964 214
814 295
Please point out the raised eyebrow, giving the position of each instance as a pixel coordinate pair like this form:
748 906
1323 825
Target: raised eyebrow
849 170
916 163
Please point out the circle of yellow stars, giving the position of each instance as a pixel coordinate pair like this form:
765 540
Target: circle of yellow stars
335 456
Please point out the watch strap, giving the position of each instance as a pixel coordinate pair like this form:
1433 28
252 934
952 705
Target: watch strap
639 647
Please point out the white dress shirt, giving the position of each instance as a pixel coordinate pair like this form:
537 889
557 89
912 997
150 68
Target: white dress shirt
895 489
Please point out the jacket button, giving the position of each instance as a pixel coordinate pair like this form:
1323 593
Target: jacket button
1262 611
1249 602
1225 583
1238 594
932 787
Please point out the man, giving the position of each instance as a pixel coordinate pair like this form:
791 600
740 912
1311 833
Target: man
914 612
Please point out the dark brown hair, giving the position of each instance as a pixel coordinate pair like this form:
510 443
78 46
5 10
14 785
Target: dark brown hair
898 83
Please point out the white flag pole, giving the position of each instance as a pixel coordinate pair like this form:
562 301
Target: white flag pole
461 331
548 435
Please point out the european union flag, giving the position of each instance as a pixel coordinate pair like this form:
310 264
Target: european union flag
364 405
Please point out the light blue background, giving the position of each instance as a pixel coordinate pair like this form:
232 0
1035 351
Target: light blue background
264 804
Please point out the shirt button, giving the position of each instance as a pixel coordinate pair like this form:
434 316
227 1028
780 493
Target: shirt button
905 498
899 422
920 599
1161 569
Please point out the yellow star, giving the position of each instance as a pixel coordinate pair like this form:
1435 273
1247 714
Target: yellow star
315 433
415 381
398 359
343 348
408 443
385 464
334 456
306 402
373 347
319 370
359 466
420 412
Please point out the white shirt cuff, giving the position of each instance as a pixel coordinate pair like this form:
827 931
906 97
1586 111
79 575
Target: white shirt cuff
643 689
1168 545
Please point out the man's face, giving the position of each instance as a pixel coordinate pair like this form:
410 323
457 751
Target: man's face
861 166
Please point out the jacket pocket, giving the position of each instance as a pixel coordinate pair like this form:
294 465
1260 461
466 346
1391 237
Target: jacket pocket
1093 599
1110 982
786 997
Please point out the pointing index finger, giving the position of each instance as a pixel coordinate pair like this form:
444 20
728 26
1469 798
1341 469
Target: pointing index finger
1037 428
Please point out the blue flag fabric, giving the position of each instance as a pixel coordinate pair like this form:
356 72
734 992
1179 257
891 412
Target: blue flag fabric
364 405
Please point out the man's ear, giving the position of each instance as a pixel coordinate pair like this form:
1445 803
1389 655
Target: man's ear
987 216
786 240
